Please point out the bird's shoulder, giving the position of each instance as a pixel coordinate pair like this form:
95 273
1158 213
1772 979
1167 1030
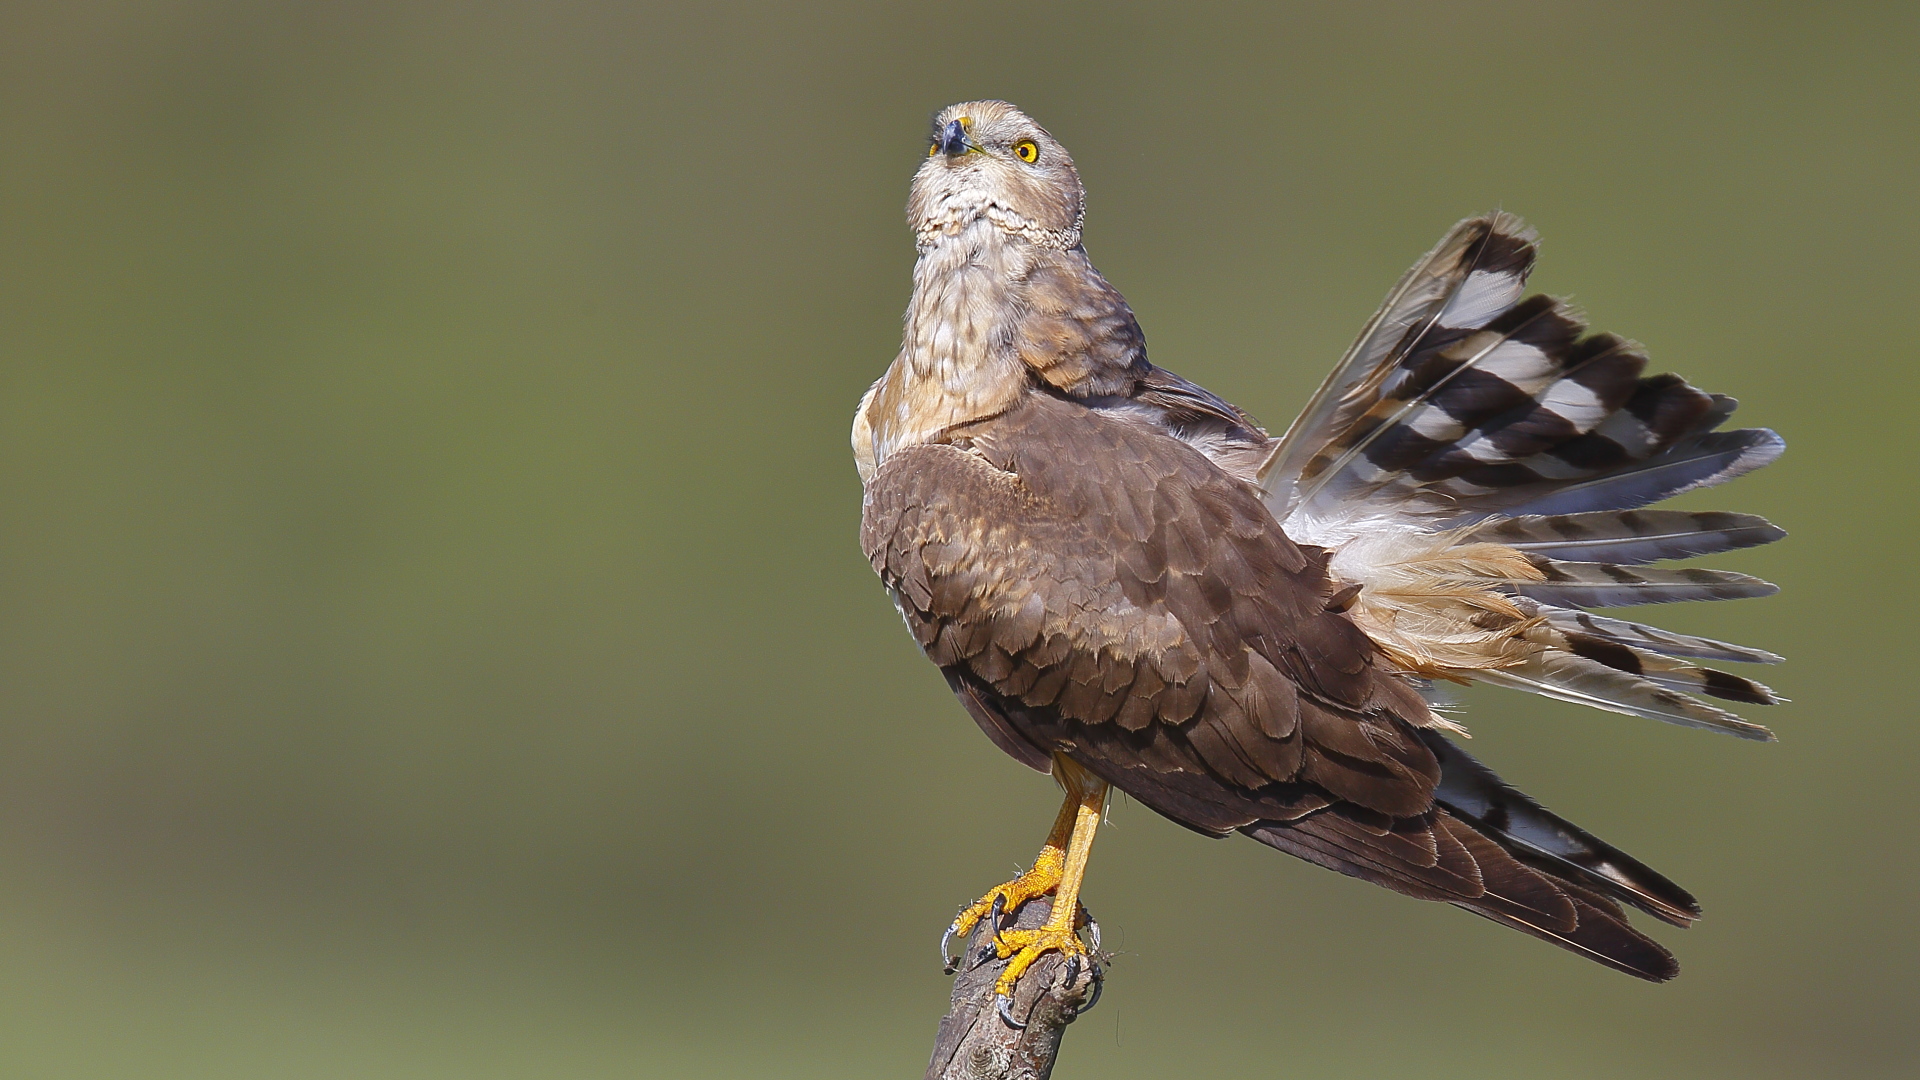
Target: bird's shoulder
1112 480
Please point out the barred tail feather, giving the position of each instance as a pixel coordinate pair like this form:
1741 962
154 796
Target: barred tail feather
1712 682
1652 638
1576 584
1702 461
1455 396
1568 677
1476 272
1627 537
1662 670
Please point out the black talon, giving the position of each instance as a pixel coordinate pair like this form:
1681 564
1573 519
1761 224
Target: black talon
1099 984
1004 1004
1073 969
949 962
990 949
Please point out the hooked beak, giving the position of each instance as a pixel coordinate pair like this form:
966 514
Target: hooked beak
953 139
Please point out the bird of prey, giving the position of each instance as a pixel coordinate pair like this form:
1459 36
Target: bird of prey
1128 583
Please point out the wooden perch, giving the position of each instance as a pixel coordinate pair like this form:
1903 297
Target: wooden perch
975 1043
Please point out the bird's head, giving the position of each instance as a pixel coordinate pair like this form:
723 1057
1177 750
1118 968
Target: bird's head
987 159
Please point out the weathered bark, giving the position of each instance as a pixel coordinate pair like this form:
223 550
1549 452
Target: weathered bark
976 1044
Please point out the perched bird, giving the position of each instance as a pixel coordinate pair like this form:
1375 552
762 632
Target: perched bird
1128 583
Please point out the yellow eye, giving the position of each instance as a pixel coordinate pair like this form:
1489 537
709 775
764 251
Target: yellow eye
932 150
1026 151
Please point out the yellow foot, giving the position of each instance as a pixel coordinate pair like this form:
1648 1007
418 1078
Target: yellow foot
1059 870
1027 946
1006 899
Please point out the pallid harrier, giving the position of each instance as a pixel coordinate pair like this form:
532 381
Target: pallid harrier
1127 582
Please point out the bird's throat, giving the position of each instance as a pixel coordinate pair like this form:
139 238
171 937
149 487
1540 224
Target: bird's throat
991 313
956 364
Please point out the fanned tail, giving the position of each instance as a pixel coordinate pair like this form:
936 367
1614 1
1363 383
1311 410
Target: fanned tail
1478 465
1525 416
1476 272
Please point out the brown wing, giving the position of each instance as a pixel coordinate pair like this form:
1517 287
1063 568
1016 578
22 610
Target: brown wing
1094 587
1109 581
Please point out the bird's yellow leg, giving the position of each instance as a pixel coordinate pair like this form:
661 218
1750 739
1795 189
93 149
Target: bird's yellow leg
1086 798
1042 879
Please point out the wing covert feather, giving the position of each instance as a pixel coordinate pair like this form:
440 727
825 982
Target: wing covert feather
1089 572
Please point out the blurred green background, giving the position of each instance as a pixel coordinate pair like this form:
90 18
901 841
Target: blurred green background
433 641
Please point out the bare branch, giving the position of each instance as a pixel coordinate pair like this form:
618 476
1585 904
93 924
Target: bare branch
976 1044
